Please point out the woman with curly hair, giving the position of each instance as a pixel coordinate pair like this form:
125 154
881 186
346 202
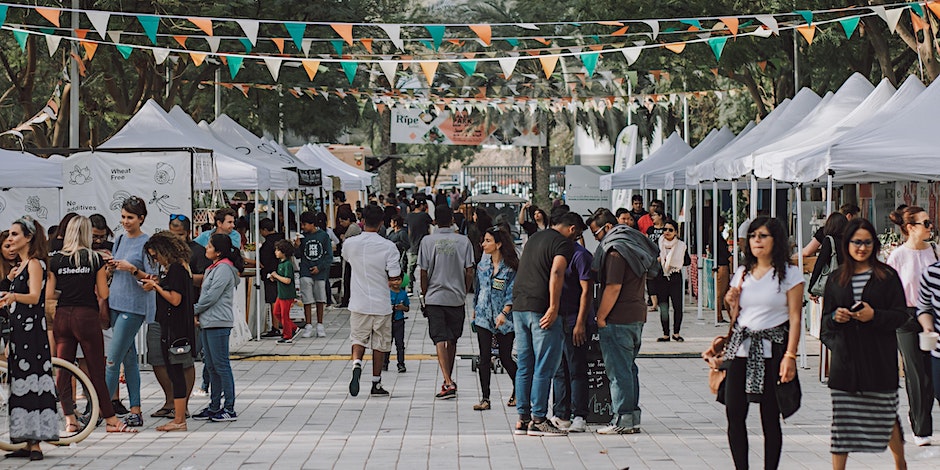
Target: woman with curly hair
174 314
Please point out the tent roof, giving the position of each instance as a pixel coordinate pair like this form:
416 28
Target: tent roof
331 166
673 176
673 149
38 172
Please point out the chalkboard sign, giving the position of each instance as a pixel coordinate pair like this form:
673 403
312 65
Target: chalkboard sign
311 177
599 407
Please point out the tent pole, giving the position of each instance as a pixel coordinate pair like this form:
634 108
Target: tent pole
699 207
259 302
828 194
799 243
714 235
287 213
773 197
754 194
734 225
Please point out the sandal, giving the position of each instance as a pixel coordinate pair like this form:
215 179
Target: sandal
172 427
483 405
162 413
72 428
511 402
120 427
677 338
662 339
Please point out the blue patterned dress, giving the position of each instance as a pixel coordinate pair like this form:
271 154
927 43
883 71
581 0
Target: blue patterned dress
492 293
33 415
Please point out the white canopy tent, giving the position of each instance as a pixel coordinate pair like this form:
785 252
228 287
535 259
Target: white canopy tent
665 177
349 181
672 150
33 189
328 157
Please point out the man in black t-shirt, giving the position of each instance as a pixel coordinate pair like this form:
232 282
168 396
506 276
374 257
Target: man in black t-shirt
536 300
419 226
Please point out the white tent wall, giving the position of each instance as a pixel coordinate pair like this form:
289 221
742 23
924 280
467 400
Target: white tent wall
42 204
672 150
32 189
665 177
349 181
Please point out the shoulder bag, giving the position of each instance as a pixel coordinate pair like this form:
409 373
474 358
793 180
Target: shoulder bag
819 288
715 354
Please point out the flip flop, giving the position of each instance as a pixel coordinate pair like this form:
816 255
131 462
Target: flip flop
120 427
162 413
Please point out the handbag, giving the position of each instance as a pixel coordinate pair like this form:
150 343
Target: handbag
180 347
789 395
715 354
819 288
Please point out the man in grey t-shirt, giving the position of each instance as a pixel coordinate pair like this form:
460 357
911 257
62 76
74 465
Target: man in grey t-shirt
445 259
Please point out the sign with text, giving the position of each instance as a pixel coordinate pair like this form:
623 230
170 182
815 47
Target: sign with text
432 126
311 177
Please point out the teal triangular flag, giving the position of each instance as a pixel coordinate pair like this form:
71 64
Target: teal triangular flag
514 42
3 13
596 38
917 9
670 30
696 23
247 43
437 34
849 25
590 62
234 65
296 31
124 50
807 15
48 31
469 66
350 68
150 25
20 37
427 44
337 46
745 24
717 45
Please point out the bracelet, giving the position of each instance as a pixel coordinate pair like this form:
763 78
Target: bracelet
790 355
135 272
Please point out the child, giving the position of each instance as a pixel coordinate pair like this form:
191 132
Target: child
284 275
400 305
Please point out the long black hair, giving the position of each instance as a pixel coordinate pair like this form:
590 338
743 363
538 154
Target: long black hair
780 256
879 269
223 245
506 249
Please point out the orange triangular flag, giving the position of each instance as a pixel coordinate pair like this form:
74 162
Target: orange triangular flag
715 71
244 88
533 52
807 31
543 41
456 42
51 14
204 24
81 33
656 74
197 58
90 48
311 66
469 55
620 32
763 65
81 64
181 40
380 107
344 30
484 31
429 68
548 64
676 47
367 43
732 23
935 8
279 42
917 23
610 23
223 59
596 47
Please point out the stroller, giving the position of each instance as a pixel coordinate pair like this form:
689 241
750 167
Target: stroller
495 361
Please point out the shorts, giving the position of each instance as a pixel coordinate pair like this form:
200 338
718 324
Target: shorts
270 291
445 323
155 348
312 291
371 331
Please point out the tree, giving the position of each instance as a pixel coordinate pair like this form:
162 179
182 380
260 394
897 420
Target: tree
434 158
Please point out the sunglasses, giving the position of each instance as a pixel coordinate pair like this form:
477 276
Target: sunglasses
926 223
179 217
598 231
761 236
670 230
861 243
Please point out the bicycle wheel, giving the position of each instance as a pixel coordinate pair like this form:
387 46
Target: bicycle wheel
78 386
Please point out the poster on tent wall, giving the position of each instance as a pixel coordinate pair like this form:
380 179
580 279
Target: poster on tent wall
99 182
624 157
432 126
42 204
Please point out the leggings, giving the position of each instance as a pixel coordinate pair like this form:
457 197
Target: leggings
671 291
736 405
485 339
282 313
75 326
175 371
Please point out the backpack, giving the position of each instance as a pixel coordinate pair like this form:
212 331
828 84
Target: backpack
819 288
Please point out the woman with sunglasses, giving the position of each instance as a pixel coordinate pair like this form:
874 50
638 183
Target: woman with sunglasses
864 305
767 293
492 307
656 287
672 256
910 260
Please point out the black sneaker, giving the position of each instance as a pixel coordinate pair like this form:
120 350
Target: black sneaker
285 341
205 414
545 429
224 416
119 410
354 383
402 368
377 390
134 420
274 333
447 392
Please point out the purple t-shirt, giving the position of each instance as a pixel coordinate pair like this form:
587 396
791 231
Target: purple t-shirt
579 269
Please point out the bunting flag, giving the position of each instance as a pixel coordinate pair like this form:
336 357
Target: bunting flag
51 14
590 62
808 32
279 43
632 54
21 37
204 24
367 43
483 31
429 68
250 28
99 19
296 31
90 48
469 66
807 15
892 17
507 65
849 25
213 43
344 30
160 55
717 45
3 13
917 8
934 7
770 22
349 67
311 66
389 68
337 46
181 40
917 23
274 66
52 42
247 44
234 65
693 23
394 34
513 42
197 58
548 64
676 47
654 26
620 32
150 24
732 23
437 34
125 51
115 36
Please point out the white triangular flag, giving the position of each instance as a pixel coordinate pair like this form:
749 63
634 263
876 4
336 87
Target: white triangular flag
880 11
632 54
274 66
214 42
115 36
528 26
305 46
394 34
654 25
53 42
770 22
893 16
160 55
508 64
763 32
390 68
99 19
250 27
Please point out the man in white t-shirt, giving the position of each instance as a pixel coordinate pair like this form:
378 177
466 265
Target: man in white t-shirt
373 260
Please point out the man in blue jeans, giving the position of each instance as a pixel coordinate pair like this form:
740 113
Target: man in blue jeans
623 258
536 298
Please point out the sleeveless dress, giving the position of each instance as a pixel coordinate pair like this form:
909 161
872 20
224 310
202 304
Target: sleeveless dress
33 415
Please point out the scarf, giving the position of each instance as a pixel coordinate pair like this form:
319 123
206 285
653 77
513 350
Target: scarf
671 255
637 250
754 381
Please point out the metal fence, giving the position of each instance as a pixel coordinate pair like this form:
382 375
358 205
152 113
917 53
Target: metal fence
515 180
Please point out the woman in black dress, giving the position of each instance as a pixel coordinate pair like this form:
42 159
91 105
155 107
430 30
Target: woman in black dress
32 402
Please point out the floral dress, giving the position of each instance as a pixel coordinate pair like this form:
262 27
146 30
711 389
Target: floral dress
491 293
33 415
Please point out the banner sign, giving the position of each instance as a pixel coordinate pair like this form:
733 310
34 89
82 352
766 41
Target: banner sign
312 177
432 126
624 157
42 204
100 182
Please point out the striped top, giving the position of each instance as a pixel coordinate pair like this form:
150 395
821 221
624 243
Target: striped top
928 302
858 284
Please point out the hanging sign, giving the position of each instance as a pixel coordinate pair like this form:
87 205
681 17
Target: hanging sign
431 126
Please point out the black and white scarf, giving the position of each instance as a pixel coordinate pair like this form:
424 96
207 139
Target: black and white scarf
754 383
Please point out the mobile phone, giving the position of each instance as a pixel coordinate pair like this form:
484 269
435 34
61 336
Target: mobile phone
857 307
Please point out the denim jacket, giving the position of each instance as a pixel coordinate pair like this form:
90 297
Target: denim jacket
491 294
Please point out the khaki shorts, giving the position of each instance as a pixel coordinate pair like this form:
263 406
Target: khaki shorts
312 291
371 331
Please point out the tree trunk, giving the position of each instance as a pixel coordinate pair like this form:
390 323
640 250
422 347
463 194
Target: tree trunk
388 173
748 81
879 44
541 168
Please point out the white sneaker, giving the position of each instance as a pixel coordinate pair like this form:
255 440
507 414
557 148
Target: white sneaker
562 424
321 332
921 441
578 425
308 331
198 392
611 429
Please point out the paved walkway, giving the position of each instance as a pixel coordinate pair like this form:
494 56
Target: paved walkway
297 413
